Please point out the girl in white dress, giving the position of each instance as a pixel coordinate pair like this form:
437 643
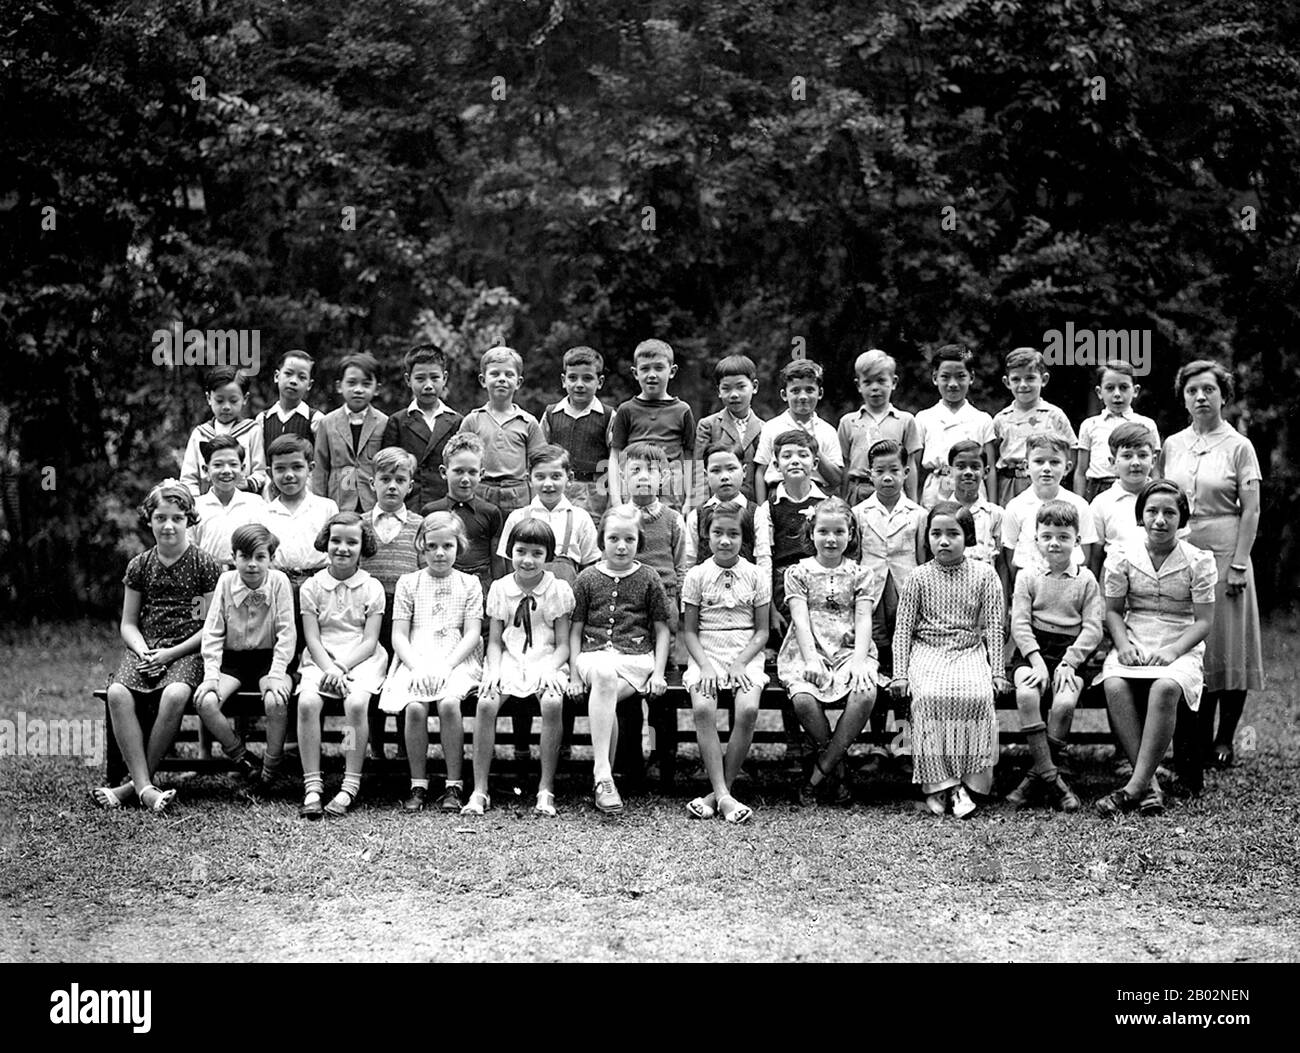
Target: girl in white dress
342 607
527 657
437 654
726 623
1159 609
828 657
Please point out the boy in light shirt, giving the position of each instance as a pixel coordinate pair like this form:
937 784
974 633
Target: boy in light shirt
876 420
1132 455
801 391
227 505
1094 469
1026 376
1047 454
949 420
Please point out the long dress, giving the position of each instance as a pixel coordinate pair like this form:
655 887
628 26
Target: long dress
835 597
948 642
1213 469
1159 610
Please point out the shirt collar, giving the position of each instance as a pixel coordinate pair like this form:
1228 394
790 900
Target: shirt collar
782 495
1071 570
866 414
903 504
241 593
400 515
414 407
515 411
300 410
741 499
563 505
1110 414
594 406
327 581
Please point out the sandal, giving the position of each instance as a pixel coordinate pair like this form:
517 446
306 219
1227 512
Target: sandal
545 803
159 803
106 796
701 809
311 807
735 812
477 804
340 804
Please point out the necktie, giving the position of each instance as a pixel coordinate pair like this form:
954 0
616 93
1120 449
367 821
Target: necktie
524 620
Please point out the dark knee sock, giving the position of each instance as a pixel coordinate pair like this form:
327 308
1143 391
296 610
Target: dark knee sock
1189 755
1057 749
1036 737
1204 718
1231 705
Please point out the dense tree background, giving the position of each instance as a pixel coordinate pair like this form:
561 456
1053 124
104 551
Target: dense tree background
483 218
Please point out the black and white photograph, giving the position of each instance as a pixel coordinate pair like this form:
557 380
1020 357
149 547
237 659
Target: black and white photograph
591 481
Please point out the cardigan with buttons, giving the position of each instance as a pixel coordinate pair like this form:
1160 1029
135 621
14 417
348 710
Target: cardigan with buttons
618 614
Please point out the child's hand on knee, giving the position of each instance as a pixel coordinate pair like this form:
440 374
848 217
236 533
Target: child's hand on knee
1038 675
900 689
738 678
1065 682
554 684
658 685
860 678
815 671
708 685
576 686
208 687
275 689
1001 685
489 687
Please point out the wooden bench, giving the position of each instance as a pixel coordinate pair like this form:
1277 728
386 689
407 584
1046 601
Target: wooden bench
663 712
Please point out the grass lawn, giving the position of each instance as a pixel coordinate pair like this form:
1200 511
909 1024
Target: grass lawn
225 877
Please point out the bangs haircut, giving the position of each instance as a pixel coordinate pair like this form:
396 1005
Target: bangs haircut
829 508
441 523
220 376
648 453
177 493
369 543
960 513
289 443
218 443
1057 514
869 363
501 353
531 531
247 539
628 515
735 366
1163 486
723 447
794 437
549 454
362 361
801 369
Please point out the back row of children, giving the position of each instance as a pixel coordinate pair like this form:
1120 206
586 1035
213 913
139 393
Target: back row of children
950 450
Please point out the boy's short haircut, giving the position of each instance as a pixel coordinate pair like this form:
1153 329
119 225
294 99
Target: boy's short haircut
218 443
532 531
392 459
884 448
874 361
369 542
1025 358
649 452
735 366
722 447
296 353
1049 440
247 539
622 514
652 349
459 443
949 353
965 446
177 493
436 523
794 437
362 360
582 355
220 376
958 512
1115 365
290 443
424 354
1057 514
501 353
800 369
549 454
1130 435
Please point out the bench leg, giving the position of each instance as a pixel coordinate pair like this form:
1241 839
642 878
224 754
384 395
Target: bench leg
114 764
663 717
629 762
378 721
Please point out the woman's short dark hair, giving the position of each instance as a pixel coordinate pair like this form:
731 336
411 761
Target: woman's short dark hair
1206 365
1163 486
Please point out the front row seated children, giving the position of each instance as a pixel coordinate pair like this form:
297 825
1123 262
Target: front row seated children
1159 609
1133 453
726 625
1056 623
948 658
248 641
342 608
527 657
618 639
828 658
575 534
780 535
722 468
437 654
462 465
891 527
162 629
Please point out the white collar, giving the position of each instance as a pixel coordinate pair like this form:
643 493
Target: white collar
414 407
1071 570
515 591
715 500
400 515
562 505
903 504
783 495
594 406
300 410
325 580
241 593
1110 414
890 411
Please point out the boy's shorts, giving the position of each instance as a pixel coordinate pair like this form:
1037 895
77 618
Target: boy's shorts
248 667
1051 648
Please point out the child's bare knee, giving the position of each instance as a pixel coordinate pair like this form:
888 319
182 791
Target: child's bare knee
552 709
174 697
417 715
355 708
746 712
448 710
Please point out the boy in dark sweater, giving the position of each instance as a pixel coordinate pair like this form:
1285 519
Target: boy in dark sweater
423 428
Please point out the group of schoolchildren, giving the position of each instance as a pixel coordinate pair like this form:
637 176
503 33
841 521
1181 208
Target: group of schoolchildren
425 556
